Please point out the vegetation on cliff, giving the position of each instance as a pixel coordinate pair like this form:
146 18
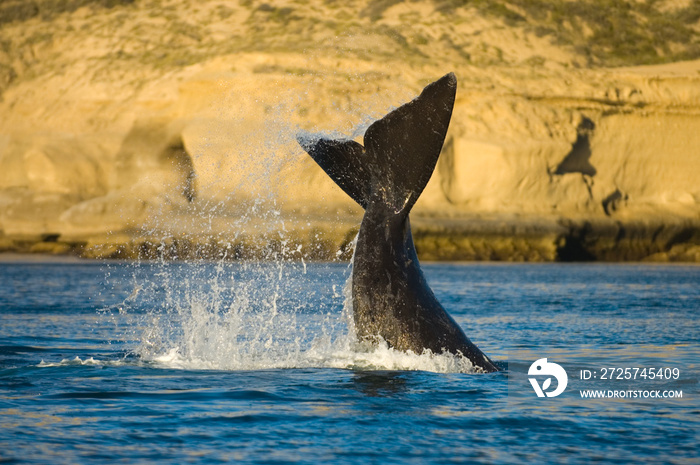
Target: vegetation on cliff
172 33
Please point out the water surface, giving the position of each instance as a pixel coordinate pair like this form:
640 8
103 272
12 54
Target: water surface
257 363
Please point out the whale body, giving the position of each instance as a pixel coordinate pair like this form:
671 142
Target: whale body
390 296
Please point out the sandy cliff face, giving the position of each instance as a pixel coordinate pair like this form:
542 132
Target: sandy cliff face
128 126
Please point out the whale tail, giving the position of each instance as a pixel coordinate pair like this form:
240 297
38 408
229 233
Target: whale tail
399 154
391 298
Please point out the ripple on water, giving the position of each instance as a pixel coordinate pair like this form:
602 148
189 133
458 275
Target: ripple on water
222 363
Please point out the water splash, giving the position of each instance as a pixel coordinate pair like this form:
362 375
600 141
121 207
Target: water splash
255 315
192 307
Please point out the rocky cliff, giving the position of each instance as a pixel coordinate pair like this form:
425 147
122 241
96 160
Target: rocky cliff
167 128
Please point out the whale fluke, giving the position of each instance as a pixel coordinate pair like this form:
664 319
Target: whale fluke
343 161
391 298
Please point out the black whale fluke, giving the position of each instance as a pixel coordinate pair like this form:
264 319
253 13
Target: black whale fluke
391 298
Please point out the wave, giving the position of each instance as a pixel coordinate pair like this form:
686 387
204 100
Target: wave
77 361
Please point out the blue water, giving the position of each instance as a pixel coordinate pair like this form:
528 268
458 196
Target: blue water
257 363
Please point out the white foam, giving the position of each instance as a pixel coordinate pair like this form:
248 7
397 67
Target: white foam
378 357
77 361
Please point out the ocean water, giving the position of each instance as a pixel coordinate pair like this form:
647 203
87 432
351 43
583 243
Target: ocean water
257 363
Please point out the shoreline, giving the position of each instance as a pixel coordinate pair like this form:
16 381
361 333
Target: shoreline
13 258
436 240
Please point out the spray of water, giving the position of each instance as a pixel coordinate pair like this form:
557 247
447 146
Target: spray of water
255 315
225 306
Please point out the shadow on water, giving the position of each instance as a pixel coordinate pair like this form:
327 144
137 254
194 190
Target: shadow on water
380 383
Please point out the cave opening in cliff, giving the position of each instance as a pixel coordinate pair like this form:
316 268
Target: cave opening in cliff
575 246
177 154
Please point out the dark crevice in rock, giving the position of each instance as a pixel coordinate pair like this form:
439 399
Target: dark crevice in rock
578 159
613 202
618 241
656 233
573 246
684 236
51 237
588 181
621 233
